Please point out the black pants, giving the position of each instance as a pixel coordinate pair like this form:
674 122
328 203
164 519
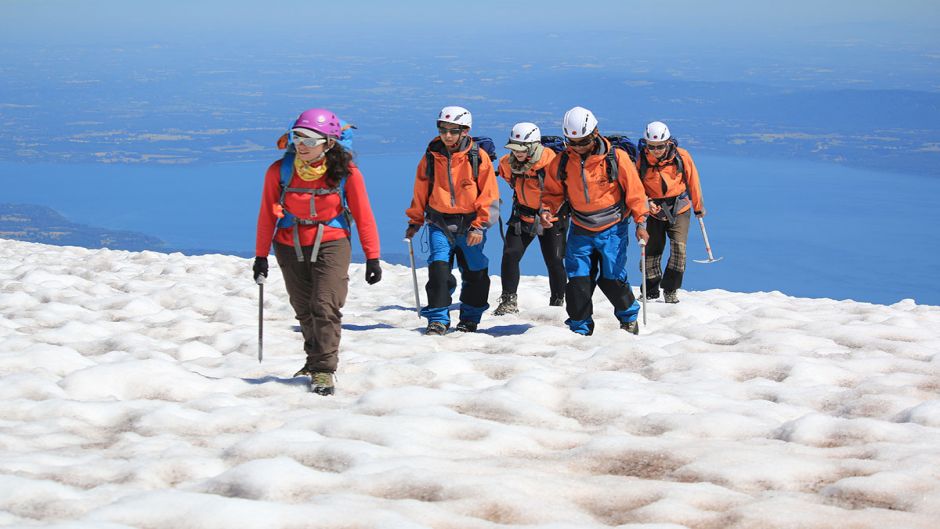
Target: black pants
552 244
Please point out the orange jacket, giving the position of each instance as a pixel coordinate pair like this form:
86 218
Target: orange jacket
663 180
527 190
327 207
455 190
590 191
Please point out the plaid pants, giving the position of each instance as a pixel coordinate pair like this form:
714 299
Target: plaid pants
678 234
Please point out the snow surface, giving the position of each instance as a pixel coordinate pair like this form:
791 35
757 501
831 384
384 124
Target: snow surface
132 397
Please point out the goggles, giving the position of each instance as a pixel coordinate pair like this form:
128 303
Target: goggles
309 142
582 142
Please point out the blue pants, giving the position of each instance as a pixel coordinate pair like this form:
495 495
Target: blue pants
610 248
474 273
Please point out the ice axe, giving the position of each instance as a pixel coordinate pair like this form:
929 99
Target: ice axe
643 272
708 247
414 276
260 281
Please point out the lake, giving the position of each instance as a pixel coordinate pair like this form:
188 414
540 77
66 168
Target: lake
803 228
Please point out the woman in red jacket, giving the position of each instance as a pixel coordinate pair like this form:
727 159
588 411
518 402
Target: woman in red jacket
308 218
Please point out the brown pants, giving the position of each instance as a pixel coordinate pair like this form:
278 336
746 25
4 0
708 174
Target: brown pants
317 292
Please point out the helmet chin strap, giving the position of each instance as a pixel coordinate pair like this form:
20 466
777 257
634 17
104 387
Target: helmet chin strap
329 145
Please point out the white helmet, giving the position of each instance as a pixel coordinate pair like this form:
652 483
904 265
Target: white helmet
656 131
523 134
456 115
578 123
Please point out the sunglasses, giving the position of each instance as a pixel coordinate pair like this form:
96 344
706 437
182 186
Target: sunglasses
582 142
659 147
309 142
445 130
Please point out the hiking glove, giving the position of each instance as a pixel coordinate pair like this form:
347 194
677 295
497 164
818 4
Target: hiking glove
412 230
260 267
373 271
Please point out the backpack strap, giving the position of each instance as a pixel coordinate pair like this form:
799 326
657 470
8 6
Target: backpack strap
613 168
474 156
563 172
429 172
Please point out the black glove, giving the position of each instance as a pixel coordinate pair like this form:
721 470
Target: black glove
260 267
373 271
412 230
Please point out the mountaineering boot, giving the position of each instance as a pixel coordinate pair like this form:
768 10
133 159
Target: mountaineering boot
435 328
556 301
507 305
468 326
670 296
322 384
652 294
631 327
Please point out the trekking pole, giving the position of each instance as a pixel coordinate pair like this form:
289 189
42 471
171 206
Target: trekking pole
260 282
414 276
643 271
708 248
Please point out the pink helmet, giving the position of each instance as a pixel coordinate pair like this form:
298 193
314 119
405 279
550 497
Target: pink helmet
319 120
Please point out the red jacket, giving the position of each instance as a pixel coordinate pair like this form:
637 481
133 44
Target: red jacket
327 207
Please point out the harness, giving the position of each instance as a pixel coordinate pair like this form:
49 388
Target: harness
671 205
289 220
520 210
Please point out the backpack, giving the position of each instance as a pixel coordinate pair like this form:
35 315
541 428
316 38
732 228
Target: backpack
346 138
558 144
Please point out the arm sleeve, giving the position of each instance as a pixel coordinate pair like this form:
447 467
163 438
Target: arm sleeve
270 195
693 184
554 194
635 193
419 199
488 194
361 211
505 172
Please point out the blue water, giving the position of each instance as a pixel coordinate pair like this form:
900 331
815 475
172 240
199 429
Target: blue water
806 229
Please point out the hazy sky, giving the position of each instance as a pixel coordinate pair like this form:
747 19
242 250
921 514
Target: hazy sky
572 25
